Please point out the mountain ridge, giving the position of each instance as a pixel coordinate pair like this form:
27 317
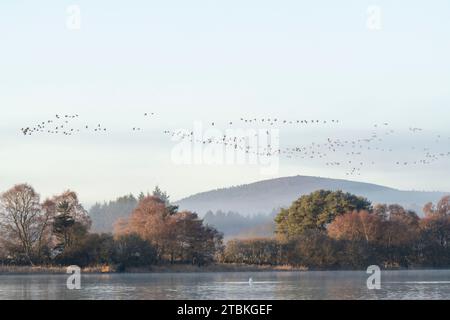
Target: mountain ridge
265 195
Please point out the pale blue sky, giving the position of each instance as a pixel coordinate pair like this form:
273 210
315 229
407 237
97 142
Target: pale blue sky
210 60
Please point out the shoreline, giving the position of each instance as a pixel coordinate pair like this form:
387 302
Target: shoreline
58 270
49 270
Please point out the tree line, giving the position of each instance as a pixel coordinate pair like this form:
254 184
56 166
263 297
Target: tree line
57 231
322 230
337 230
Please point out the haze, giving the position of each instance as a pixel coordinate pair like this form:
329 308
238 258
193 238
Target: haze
219 61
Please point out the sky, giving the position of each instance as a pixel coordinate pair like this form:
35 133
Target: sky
205 61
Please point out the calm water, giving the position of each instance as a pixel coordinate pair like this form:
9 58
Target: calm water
265 285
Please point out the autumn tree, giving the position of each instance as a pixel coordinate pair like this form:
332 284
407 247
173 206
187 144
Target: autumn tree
389 230
176 236
23 222
441 209
356 226
434 243
400 226
148 221
315 211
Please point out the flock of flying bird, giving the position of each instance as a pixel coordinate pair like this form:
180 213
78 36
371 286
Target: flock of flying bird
64 125
60 124
275 121
333 152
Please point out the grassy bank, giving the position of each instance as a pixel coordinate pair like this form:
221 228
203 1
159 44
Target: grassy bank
6 269
222 267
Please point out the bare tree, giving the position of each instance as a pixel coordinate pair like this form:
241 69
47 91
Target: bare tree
23 222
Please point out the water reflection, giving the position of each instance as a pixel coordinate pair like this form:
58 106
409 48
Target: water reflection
424 284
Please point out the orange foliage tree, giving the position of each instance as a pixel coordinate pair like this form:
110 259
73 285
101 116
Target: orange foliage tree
176 236
356 226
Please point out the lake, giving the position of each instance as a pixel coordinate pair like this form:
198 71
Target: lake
423 284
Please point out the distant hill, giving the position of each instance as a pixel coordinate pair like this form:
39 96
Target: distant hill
266 195
248 210
234 225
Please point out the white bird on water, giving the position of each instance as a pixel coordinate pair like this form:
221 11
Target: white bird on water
250 281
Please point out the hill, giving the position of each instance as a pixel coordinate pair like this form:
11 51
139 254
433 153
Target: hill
266 195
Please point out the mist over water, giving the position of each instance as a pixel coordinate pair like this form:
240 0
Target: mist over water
329 285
